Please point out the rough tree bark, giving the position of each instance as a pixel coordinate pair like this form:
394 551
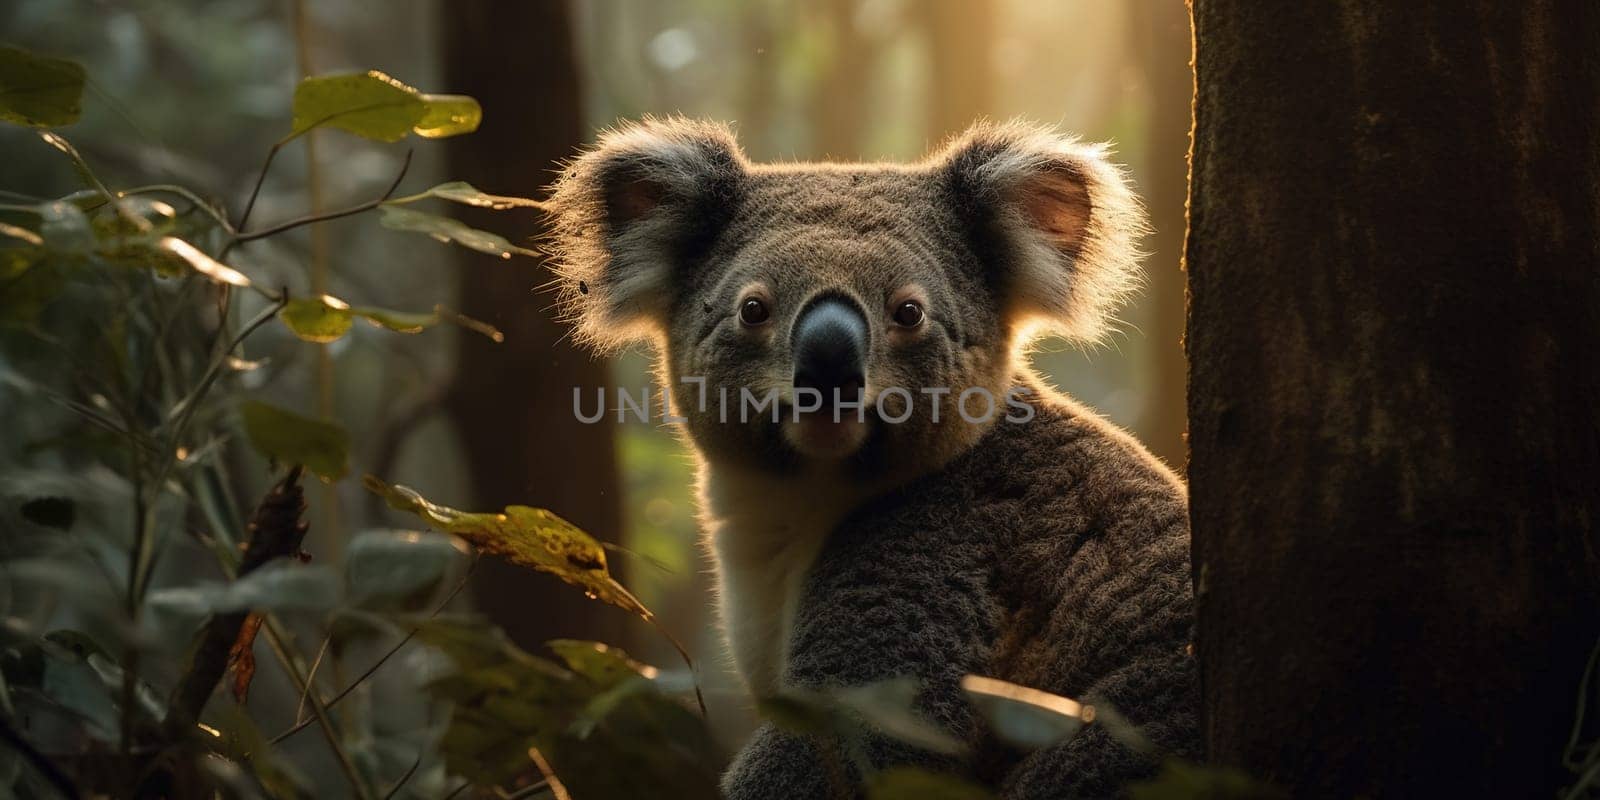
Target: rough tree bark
512 402
1395 463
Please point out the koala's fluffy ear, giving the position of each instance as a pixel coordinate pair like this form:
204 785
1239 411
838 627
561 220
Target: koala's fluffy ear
1055 219
628 213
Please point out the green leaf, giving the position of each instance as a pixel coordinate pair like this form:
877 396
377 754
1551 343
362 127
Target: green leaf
1027 718
288 438
602 665
38 91
397 321
910 783
314 319
467 194
327 319
280 585
1180 780
528 537
888 707
447 230
369 104
65 228
20 233
396 564
448 115
202 263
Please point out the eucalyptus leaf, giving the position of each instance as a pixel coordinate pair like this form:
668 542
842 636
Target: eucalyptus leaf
202 263
327 319
288 438
39 91
397 321
369 104
529 537
65 228
448 115
467 194
445 229
387 564
280 585
314 319
20 233
1025 717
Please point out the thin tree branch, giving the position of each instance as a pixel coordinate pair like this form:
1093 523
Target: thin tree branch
240 238
404 640
261 178
403 778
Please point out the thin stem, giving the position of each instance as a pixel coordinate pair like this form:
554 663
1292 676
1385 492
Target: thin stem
404 640
311 676
141 556
395 790
239 238
261 178
279 642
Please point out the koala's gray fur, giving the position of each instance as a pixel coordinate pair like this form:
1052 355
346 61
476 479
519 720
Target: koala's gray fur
1051 553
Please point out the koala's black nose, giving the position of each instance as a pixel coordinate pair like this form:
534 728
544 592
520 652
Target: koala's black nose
830 349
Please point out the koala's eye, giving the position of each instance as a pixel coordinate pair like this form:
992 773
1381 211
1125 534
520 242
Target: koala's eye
753 312
908 314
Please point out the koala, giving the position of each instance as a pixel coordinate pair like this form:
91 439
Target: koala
869 522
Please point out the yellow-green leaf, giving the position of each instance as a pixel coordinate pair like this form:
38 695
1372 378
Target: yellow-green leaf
202 263
467 194
369 104
1026 717
448 115
528 537
38 91
317 319
24 234
397 321
288 438
445 229
326 319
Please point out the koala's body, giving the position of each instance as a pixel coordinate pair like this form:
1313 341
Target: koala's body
879 525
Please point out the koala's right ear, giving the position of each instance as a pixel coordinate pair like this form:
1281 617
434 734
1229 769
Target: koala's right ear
628 213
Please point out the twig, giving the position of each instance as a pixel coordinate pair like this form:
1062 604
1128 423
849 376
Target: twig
404 640
280 646
389 795
261 178
241 237
463 786
275 531
311 676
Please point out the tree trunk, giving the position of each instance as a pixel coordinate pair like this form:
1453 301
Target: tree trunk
1161 34
512 402
1395 449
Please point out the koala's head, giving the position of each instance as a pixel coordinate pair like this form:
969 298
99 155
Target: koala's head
882 283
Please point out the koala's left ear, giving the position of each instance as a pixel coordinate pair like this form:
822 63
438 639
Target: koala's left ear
1056 220
628 214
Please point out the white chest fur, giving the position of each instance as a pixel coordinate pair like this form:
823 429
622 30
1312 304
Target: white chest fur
763 534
